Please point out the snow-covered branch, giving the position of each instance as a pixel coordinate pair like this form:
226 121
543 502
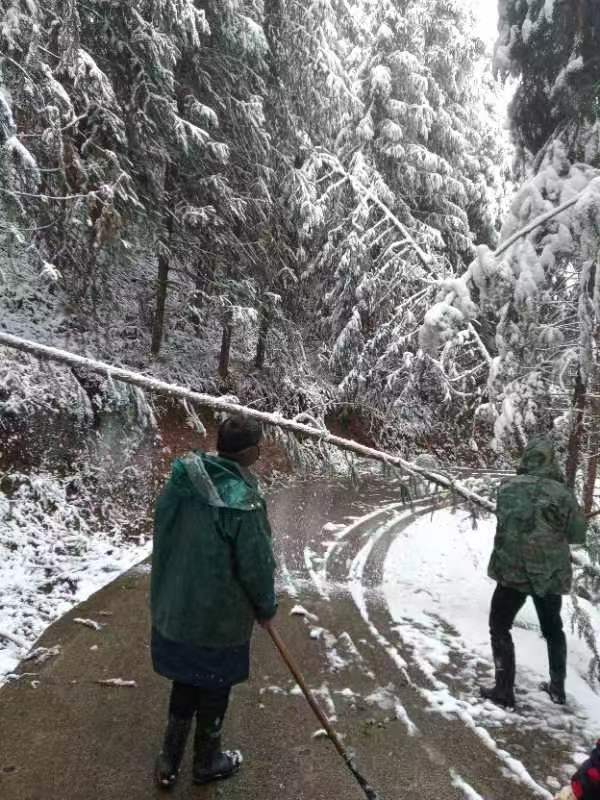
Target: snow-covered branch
536 223
425 258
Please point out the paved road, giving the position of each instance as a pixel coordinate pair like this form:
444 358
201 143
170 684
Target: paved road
65 737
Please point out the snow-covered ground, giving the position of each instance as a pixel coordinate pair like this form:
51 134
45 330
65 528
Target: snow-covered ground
418 579
52 559
437 590
436 570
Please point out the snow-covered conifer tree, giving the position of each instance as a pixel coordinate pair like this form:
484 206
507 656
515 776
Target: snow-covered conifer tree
538 302
552 48
416 164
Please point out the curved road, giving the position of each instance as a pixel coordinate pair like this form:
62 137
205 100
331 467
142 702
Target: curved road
66 737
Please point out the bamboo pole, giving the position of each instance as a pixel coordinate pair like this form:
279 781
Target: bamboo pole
218 404
370 793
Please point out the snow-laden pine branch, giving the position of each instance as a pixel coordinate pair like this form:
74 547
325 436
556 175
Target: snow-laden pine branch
426 258
536 223
218 404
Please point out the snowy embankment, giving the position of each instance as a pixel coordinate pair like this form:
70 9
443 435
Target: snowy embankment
74 480
52 559
437 590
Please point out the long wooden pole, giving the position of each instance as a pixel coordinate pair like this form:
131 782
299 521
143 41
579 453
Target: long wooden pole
318 711
153 384
225 406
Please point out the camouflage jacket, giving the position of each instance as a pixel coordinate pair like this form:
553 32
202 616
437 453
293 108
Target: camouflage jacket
538 518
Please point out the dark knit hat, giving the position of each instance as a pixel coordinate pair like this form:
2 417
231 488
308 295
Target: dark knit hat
238 433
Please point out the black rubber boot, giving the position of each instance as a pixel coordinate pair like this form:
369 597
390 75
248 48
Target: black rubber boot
556 691
169 759
503 693
557 659
210 762
500 697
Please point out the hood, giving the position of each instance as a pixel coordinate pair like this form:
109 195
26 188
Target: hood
221 483
539 460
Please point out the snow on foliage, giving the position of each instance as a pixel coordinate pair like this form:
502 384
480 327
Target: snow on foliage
413 150
552 48
28 386
536 293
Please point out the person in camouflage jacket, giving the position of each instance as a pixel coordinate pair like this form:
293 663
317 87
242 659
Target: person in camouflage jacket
538 519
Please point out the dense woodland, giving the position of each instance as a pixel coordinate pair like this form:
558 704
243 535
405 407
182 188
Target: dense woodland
299 202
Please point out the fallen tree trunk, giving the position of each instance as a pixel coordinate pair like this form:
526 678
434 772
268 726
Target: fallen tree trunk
218 404
275 420
543 218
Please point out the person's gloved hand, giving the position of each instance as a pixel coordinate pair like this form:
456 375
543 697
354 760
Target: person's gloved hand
565 794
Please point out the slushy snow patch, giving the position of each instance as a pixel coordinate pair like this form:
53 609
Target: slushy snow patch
300 611
459 783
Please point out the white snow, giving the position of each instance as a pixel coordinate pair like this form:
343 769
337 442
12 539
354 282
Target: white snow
336 661
436 572
437 590
51 560
347 692
300 611
118 682
386 700
468 791
272 689
88 623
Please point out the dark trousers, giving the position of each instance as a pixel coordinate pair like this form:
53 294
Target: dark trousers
210 705
506 604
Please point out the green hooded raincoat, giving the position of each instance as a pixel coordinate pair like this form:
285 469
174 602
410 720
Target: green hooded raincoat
212 565
538 518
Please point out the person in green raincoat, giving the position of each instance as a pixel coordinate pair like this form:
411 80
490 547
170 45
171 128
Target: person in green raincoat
212 578
538 519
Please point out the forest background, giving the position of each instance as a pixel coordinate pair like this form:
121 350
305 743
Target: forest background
298 203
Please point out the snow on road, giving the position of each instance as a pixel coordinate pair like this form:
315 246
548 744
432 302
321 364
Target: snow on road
436 587
433 583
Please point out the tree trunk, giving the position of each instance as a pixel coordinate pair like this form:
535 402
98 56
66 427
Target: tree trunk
574 446
161 302
164 264
261 346
590 478
199 289
593 425
225 354
225 406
